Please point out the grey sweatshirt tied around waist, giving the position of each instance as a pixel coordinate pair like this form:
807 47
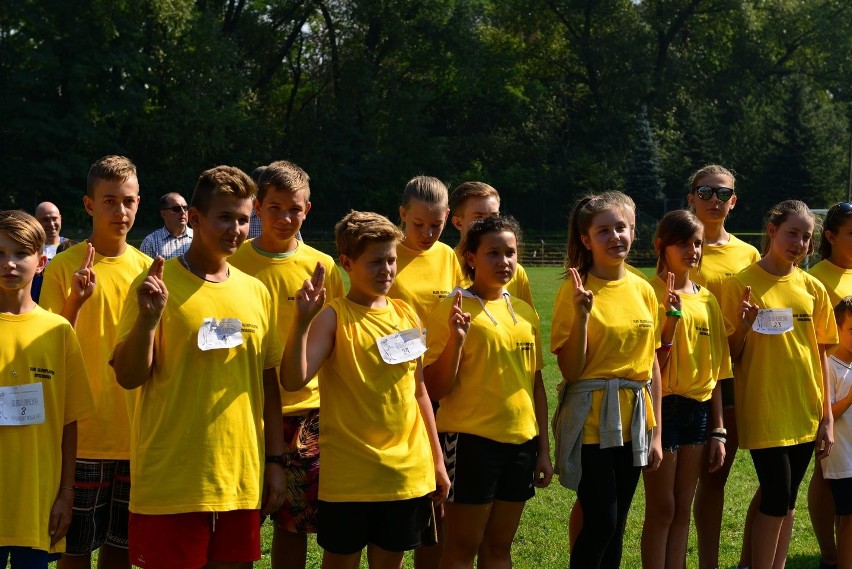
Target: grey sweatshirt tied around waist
575 401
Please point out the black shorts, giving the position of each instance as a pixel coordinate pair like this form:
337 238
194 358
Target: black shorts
684 421
101 498
483 470
842 490
347 527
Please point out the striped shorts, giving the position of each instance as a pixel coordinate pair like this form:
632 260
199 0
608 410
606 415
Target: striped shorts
101 499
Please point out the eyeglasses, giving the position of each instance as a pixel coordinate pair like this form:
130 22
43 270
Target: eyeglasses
723 194
175 208
843 208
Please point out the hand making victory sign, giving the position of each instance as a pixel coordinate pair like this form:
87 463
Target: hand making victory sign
459 320
583 298
747 310
311 297
672 299
84 280
152 293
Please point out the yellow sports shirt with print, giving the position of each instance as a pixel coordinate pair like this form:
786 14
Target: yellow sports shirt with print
836 280
779 377
373 438
720 262
492 396
700 356
283 278
423 278
197 431
37 348
622 335
106 433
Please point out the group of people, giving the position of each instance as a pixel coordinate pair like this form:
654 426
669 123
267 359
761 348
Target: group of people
164 407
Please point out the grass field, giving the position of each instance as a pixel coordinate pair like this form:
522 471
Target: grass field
542 540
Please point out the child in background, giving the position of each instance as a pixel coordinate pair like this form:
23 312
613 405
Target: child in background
834 271
712 196
837 467
484 349
87 284
692 357
381 456
604 338
783 412
43 391
427 270
283 263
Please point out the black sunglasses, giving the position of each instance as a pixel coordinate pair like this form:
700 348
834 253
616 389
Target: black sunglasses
175 208
843 208
723 194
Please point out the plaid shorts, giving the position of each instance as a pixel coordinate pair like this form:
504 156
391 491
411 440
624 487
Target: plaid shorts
298 514
101 498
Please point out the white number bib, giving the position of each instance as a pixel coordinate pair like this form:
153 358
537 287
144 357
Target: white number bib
220 334
402 346
773 321
22 405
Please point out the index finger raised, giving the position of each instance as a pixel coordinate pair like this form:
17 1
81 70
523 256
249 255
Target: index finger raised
89 257
318 278
747 294
156 268
458 299
575 277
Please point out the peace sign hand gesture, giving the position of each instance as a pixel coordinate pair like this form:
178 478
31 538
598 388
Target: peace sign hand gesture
311 297
583 298
83 281
152 294
747 310
459 320
672 299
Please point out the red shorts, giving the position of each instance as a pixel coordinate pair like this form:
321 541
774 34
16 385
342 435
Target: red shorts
194 539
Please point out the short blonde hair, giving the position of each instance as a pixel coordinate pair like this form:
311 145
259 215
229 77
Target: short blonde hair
358 229
285 176
24 229
426 189
467 190
221 181
110 168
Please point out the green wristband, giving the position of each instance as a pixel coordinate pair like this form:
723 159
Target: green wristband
675 313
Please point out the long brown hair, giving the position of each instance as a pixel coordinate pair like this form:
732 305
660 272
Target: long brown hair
675 227
582 215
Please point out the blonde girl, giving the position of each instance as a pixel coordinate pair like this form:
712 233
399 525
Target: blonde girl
834 271
693 355
483 352
712 196
779 322
604 338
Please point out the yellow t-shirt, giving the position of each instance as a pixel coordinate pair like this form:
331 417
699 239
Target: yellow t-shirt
622 336
283 278
197 431
423 278
719 262
37 348
106 433
836 280
779 377
493 393
518 287
700 355
374 443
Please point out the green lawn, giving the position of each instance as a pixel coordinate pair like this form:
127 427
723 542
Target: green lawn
542 540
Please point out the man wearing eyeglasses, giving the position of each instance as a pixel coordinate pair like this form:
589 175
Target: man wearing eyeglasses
174 237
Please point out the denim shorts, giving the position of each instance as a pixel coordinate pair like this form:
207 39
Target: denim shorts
684 421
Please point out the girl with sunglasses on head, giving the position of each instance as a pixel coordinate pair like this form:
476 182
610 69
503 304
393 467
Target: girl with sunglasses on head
712 196
693 355
834 271
780 322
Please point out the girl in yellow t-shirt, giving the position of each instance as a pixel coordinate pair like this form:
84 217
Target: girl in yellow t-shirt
604 337
779 323
834 271
692 357
712 197
483 352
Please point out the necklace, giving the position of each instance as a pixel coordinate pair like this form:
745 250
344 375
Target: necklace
185 263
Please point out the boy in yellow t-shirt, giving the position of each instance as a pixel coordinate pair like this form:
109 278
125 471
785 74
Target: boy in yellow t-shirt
381 458
87 284
43 391
198 343
283 263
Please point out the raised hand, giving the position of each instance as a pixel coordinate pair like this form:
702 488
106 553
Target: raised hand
582 298
672 299
459 320
747 310
83 281
311 297
152 294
